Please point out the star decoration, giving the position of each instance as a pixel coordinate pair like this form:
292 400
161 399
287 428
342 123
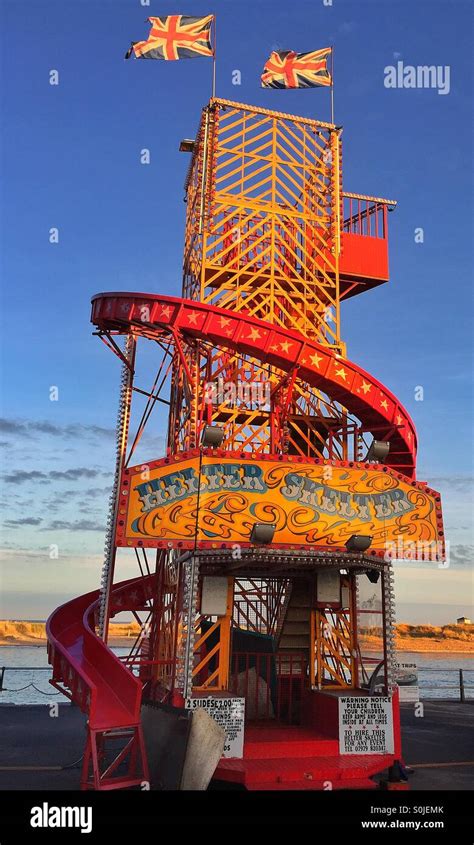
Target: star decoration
125 306
384 404
254 334
341 373
365 387
399 419
166 311
315 359
192 317
223 321
285 346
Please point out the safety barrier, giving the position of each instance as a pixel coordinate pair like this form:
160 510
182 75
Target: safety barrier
462 686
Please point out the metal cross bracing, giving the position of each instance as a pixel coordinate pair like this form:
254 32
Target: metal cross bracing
335 637
259 603
263 236
275 412
126 447
263 218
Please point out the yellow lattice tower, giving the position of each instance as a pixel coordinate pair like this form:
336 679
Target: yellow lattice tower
263 236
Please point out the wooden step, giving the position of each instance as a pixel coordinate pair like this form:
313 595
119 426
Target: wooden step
294 642
301 593
300 601
298 627
295 628
297 614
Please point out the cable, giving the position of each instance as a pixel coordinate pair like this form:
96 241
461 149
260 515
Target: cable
20 689
73 765
42 691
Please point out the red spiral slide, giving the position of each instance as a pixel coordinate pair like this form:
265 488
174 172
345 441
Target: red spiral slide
93 677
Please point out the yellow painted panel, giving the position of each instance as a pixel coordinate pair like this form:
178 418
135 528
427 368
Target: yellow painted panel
317 504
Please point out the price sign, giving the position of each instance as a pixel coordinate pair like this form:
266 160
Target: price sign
229 712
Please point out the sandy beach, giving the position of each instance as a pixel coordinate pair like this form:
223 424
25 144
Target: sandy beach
452 639
24 633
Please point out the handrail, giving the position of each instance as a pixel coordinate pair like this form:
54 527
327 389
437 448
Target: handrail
379 200
365 216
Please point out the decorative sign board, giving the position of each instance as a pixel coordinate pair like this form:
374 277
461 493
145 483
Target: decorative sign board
229 712
158 504
365 725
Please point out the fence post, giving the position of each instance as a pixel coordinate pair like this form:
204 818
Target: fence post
461 687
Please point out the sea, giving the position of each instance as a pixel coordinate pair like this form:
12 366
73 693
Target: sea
26 674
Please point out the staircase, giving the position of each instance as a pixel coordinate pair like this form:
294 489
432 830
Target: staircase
294 638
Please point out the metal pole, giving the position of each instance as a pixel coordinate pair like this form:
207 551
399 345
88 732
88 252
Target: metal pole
214 60
202 204
123 421
461 687
388 620
192 578
191 587
332 84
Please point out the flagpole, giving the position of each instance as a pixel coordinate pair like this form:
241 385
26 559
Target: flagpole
332 84
214 60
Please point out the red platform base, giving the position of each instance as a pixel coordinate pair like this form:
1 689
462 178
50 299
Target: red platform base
278 757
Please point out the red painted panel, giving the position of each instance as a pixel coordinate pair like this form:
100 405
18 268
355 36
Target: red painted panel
363 256
320 711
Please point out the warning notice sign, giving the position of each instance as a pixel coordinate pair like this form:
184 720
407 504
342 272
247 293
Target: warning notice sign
228 712
365 725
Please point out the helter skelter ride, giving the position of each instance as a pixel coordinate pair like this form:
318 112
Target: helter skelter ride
264 537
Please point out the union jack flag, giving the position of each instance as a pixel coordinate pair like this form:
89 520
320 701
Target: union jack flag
287 69
175 37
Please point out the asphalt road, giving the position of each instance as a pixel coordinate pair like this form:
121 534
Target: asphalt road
439 745
435 741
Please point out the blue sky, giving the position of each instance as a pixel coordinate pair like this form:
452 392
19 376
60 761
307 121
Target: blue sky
70 158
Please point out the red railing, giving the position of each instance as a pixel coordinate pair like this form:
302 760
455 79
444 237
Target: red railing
364 216
272 684
364 240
